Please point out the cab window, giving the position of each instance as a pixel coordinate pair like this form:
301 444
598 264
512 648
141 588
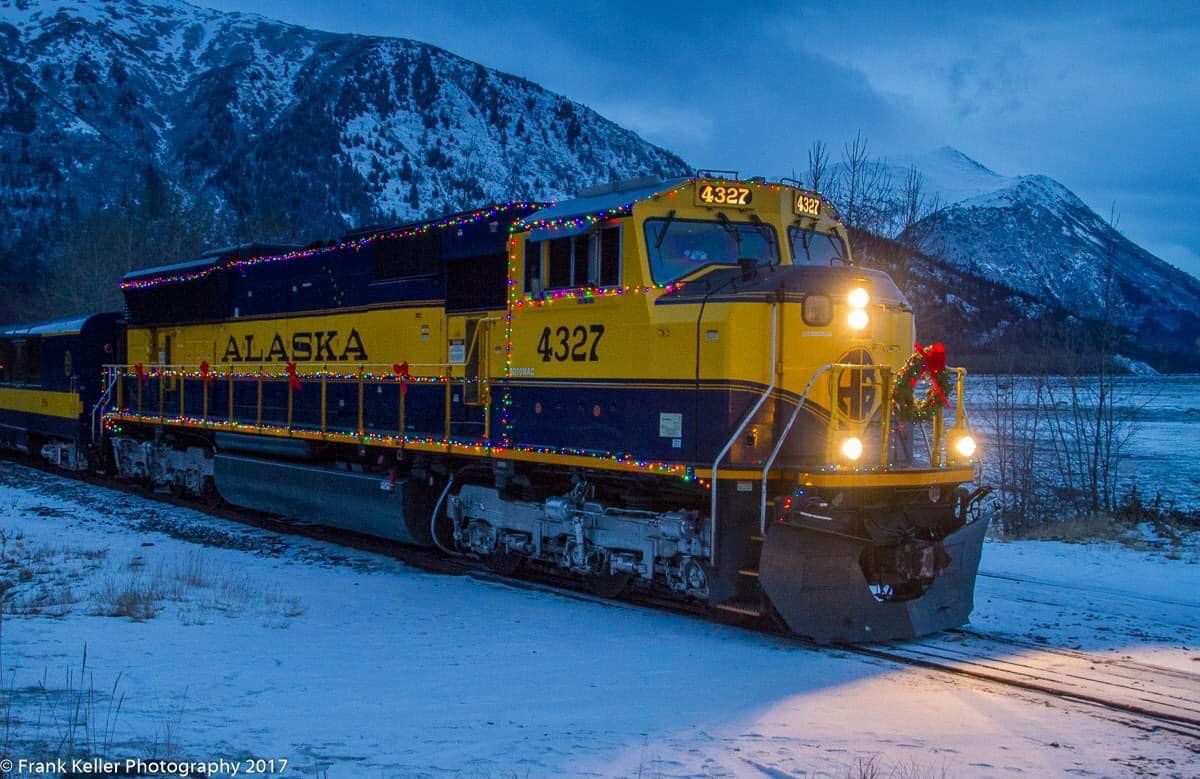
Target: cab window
586 260
679 247
813 248
533 265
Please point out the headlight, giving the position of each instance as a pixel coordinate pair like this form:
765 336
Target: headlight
965 446
858 298
852 448
858 319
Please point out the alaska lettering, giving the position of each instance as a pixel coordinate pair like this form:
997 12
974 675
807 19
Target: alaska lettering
316 346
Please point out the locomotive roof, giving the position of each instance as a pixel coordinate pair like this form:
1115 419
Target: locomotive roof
55 327
212 258
368 231
588 205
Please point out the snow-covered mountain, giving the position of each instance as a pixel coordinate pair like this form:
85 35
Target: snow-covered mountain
1032 234
949 174
344 129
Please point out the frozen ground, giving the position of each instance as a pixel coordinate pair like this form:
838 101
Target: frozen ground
351 664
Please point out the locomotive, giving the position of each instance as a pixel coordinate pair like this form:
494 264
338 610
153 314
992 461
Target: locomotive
682 386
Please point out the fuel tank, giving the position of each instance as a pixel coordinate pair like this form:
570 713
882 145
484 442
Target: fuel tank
394 509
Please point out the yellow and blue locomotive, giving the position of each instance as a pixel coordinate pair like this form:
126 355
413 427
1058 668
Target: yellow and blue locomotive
681 385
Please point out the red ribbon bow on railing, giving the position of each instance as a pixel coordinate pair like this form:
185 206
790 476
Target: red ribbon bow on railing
401 370
293 379
933 362
140 371
205 373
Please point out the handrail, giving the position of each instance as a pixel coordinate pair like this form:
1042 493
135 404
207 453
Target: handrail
100 403
934 447
259 377
787 429
712 513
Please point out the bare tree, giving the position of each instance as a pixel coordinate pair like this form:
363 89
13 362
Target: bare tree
1015 422
916 205
865 187
818 166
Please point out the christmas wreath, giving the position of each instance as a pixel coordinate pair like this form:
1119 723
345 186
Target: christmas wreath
926 361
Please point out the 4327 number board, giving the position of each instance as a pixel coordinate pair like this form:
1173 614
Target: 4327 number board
721 194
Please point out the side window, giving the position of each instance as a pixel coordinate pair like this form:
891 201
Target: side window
533 264
580 266
610 256
558 264
591 259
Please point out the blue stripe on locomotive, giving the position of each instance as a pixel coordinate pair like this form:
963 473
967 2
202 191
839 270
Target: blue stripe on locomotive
624 418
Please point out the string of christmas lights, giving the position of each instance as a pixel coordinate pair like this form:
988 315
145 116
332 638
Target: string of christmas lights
482 448
587 220
473 217
589 293
151 373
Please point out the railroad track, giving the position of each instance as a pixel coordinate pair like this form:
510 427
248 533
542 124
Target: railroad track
1159 698
1162 698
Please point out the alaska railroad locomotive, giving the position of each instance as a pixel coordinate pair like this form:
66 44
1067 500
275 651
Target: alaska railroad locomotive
684 385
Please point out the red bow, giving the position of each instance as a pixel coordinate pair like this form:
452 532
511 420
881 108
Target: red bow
140 370
933 362
401 370
293 379
205 373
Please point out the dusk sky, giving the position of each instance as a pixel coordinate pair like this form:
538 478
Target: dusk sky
1104 97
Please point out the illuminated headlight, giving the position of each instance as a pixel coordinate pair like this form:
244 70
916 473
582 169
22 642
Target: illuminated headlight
858 319
852 448
964 445
858 298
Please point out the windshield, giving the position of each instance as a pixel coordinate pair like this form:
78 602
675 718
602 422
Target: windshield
812 248
678 247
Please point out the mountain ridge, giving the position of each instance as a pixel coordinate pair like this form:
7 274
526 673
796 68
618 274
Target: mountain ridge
246 110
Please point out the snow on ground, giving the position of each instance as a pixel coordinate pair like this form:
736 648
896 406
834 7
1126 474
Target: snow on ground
352 664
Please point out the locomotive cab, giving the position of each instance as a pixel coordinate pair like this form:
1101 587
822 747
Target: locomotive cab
734 333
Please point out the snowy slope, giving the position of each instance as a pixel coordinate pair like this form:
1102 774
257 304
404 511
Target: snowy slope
949 174
337 129
351 664
1033 235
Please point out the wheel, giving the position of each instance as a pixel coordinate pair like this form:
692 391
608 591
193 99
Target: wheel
696 576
